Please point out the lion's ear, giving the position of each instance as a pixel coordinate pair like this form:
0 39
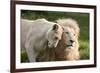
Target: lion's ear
55 27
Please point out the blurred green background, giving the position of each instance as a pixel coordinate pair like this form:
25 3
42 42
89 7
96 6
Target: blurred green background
81 18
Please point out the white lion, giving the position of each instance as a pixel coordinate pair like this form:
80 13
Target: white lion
37 34
70 39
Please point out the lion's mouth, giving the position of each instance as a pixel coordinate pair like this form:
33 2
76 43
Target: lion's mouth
69 45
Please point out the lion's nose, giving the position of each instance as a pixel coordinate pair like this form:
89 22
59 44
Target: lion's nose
72 41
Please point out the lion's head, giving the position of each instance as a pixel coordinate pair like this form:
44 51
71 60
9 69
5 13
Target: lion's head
54 35
71 31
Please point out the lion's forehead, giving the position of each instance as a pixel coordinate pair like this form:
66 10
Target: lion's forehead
70 30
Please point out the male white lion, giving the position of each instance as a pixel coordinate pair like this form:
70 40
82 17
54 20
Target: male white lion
68 46
70 38
37 34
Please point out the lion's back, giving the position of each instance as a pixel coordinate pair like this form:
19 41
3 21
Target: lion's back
35 29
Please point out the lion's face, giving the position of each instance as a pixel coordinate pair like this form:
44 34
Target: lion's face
69 36
54 35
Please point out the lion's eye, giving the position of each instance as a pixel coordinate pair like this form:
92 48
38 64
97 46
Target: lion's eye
67 32
56 38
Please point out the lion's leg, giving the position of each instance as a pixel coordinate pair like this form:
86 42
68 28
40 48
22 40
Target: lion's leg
30 52
31 55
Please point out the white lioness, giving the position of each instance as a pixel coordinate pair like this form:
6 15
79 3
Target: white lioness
37 34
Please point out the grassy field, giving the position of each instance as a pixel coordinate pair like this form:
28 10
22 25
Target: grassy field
81 18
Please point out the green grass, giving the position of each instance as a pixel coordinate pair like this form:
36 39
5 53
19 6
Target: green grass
81 18
84 49
24 57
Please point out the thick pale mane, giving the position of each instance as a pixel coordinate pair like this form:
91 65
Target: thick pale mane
69 23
